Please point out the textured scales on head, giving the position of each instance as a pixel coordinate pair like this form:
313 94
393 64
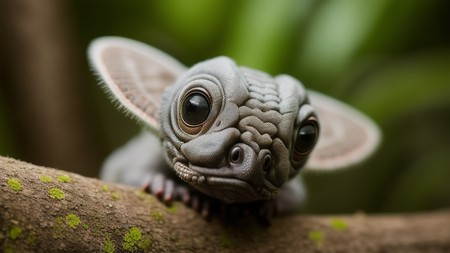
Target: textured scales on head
232 132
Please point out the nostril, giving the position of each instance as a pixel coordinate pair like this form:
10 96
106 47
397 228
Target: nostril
267 162
236 155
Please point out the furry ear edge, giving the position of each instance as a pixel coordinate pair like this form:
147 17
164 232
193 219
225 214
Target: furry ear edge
135 75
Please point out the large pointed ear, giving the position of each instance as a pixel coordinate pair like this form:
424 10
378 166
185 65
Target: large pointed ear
135 75
346 136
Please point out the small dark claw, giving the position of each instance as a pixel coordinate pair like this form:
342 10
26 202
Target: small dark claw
157 186
201 203
169 192
148 183
182 193
195 202
206 210
161 187
166 190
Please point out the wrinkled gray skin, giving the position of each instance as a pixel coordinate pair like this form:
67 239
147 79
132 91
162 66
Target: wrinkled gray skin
252 112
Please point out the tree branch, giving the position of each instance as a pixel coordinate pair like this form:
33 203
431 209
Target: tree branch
48 210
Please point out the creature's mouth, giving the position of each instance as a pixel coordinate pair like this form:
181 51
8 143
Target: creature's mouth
189 175
222 185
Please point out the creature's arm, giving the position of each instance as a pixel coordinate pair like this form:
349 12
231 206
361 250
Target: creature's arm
140 162
292 196
132 163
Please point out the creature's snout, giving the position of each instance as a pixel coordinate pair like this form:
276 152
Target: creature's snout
209 150
264 161
222 154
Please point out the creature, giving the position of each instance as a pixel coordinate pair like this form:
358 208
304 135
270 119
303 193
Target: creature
220 133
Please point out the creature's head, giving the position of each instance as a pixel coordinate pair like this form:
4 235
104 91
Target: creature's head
236 133
232 132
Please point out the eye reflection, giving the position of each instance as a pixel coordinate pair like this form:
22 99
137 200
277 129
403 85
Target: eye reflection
195 109
306 137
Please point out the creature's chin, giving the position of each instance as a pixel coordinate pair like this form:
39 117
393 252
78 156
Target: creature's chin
228 189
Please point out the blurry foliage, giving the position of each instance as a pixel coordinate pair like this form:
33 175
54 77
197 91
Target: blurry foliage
390 59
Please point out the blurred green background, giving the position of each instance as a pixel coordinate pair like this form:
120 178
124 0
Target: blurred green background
390 59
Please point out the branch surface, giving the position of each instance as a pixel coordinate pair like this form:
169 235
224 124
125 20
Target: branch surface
48 210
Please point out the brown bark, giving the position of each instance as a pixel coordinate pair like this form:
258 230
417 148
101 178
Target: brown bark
110 216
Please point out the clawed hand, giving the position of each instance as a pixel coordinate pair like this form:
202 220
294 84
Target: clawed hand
167 191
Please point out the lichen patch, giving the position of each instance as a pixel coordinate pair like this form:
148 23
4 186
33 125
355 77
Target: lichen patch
173 209
56 193
338 224
145 243
317 237
72 220
14 184
105 188
115 196
64 178
133 240
45 179
157 215
108 246
15 232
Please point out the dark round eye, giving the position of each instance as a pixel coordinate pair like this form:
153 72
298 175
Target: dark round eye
195 109
306 137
